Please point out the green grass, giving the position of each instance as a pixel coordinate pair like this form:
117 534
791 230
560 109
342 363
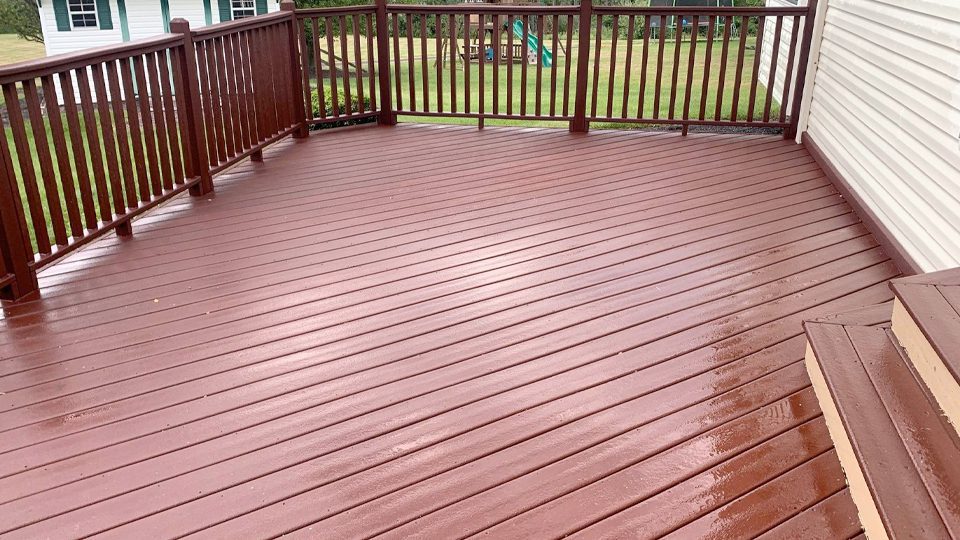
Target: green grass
16 49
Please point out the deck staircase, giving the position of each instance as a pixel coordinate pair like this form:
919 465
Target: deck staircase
888 381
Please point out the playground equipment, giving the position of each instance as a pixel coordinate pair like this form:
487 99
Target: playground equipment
533 45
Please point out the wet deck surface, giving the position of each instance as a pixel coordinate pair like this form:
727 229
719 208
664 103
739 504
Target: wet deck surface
446 332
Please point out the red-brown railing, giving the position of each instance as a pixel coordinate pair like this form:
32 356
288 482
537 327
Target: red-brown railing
98 137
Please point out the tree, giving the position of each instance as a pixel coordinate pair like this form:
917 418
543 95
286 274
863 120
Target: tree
22 18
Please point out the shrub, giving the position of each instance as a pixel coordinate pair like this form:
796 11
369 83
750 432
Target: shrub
355 107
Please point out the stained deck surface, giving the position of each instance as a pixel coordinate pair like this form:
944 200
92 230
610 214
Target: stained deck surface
446 332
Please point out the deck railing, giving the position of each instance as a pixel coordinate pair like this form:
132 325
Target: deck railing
93 139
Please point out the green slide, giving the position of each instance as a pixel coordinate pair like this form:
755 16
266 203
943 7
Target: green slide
546 57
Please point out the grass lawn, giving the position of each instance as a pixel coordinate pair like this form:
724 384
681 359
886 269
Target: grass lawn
18 50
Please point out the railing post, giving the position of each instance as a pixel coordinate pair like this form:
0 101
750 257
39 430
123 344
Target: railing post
579 124
801 78
188 105
386 116
14 242
296 75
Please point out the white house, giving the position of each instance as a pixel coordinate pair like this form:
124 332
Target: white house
72 25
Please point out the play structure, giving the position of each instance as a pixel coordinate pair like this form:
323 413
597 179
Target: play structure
521 49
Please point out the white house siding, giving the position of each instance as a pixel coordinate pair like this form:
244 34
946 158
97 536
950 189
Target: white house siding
64 42
885 109
783 57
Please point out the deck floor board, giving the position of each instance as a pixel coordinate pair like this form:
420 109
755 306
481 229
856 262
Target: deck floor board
444 331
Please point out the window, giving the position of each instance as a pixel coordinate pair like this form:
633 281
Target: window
83 13
242 9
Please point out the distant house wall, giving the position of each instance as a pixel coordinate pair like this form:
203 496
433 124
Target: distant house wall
783 58
884 107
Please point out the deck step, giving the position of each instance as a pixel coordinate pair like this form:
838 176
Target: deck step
898 452
926 320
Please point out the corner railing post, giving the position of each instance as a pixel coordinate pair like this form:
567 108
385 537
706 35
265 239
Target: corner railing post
296 75
386 116
801 78
15 246
188 105
579 123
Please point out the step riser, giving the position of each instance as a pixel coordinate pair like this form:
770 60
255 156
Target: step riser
927 363
859 490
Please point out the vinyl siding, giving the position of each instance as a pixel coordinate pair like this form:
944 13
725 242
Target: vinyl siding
766 52
885 109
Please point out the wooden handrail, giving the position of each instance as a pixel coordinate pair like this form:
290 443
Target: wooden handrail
222 93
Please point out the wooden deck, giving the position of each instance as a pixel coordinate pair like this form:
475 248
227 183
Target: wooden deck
444 332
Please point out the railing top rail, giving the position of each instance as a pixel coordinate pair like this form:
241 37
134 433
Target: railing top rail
229 27
684 10
482 8
31 69
334 11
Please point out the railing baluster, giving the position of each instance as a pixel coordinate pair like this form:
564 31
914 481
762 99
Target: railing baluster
305 48
149 135
173 131
628 66
166 180
452 44
788 74
44 156
722 77
109 145
396 59
553 69
57 131
221 98
644 64
189 114
332 66
93 140
567 66
482 62
345 62
243 113
597 40
539 52
371 69
615 31
675 75
510 22
659 86
438 61
525 46
411 65
694 31
772 76
28 174
738 80
318 66
230 78
707 64
466 63
755 75
79 150
424 67
120 99
358 64
496 63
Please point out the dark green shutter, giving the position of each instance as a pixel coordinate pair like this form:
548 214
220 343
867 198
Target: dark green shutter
103 14
124 24
207 13
164 14
224 6
261 7
62 15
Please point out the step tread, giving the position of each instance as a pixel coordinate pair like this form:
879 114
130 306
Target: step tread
907 452
933 301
